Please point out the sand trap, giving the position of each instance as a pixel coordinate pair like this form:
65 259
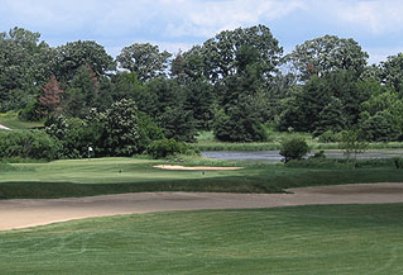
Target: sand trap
28 213
196 168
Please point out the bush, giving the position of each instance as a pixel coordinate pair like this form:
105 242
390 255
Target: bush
33 144
166 147
294 149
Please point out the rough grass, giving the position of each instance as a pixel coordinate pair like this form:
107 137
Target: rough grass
12 121
75 178
349 239
207 142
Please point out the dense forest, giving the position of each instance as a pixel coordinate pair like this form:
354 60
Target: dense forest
235 84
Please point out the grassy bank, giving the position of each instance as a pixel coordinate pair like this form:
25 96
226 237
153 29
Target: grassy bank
75 178
207 142
12 121
359 239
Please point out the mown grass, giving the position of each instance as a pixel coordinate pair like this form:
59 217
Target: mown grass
12 121
76 178
207 142
349 239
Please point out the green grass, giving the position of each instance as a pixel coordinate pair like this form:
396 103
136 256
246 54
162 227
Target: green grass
75 178
351 239
12 121
207 142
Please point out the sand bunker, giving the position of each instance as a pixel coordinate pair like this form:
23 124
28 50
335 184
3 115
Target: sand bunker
196 168
28 213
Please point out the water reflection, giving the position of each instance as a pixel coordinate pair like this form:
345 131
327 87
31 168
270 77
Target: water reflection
274 156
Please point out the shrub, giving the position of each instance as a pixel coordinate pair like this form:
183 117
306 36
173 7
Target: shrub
33 144
166 147
122 130
294 149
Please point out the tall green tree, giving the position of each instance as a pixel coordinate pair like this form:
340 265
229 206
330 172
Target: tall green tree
331 118
392 72
190 64
320 56
82 94
223 53
178 124
382 116
145 60
74 55
306 111
25 64
200 100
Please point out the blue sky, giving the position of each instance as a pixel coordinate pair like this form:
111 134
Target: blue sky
179 24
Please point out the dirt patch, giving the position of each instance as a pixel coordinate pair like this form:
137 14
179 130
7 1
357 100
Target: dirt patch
28 213
196 168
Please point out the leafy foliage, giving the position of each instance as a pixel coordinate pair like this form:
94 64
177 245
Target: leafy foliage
122 133
74 55
33 144
166 147
294 149
145 60
326 54
233 84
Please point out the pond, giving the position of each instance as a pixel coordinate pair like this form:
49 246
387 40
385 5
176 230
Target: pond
274 156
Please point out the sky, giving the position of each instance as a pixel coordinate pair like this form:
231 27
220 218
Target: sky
179 24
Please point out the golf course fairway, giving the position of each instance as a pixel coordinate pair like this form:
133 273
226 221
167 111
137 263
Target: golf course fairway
348 239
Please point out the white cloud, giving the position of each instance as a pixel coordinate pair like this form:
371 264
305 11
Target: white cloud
374 16
205 18
174 17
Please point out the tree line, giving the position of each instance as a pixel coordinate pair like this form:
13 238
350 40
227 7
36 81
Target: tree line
235 84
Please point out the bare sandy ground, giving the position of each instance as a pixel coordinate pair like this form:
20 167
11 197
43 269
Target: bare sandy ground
28 213
196 168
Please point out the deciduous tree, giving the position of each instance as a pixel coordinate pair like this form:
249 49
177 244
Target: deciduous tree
145 60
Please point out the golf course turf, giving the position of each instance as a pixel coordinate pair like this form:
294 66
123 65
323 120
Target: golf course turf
353 239
78 178
336 239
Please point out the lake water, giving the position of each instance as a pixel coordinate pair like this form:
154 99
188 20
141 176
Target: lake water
274 156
